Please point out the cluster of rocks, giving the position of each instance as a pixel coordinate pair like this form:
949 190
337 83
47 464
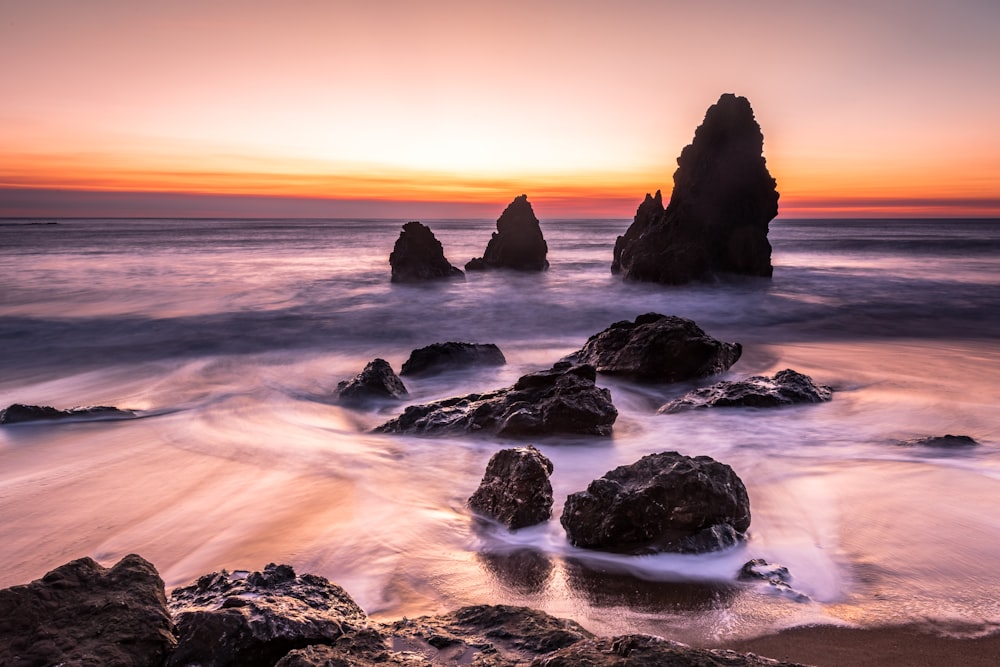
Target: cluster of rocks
19 412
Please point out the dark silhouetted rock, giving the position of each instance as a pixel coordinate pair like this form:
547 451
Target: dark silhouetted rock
718 215
517 243
376 381
418 256
648 651
561 400
787 387
662 502
254 619
444 356
18 413
657 348
86 615
515 489
942 441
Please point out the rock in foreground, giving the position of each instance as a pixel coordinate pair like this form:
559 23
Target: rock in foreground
515 489
648 651
418 256
662 502
18 413
376 382
518 242
439 357
787 387
657 348
561 400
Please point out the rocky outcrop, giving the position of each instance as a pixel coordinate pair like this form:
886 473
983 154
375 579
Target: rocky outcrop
648 651
87 615
18 413
515 489
662 502
942 441
376 382
561 400
439 357
657 348
787 387
776 577
518 242
717 218
418 256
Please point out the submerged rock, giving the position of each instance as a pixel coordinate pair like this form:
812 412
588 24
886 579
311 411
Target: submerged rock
518 242
648 651
376 381
18 413
658 348
942 441
84 614
418 256
438 357
777 578
662 502
561 400
787 387
717 218
515 489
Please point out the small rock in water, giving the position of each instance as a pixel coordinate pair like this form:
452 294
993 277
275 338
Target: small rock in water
438 357
418 256
776 576
942 441
18 413
515 489
787 387
376 381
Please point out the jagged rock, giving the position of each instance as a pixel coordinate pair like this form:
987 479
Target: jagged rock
86 615
563 399
718 215
787 387
18 412
438 357
376 381
662 502
776 577
647 651
659 348
364 648
518 242
943 441
418 256
253 619
515 489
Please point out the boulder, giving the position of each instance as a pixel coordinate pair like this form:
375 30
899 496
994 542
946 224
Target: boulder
515 489
377 381
439 357
561 400
253 619
942 441
662 502
418 256
787 387
87 615
717 218
518 242
18 412
657 348
638 650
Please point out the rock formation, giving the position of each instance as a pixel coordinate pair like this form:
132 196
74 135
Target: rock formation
718 215
775 577
418 256
942 441
18 412
563 399
517 243
662 502
787 387
377 381
647 651
657 348
515 489
439 357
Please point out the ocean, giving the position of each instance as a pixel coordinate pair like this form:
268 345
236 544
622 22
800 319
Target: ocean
230 336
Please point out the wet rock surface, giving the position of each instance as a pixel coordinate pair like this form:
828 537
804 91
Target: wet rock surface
942 442
515 489
376 382
518 242
786 387
775 576
648 651
17 413
418 256
439 357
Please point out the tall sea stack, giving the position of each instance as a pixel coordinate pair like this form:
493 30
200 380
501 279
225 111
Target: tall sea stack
517 243
718 214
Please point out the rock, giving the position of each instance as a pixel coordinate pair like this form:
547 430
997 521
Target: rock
943 441
662 502
717 218
254 619
776 577
561 400
86 615
787 387
18 412
647 651
657 348
515 489
518 242
364 648
376 381
418 256
438 357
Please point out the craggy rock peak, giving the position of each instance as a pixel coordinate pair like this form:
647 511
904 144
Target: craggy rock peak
418 256
87 615
722 202
515 489
517 243
662 502
942 441
563 399
657 348
787 387
376 381
439 357
18 412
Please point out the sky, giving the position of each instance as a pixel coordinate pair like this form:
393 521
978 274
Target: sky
442 108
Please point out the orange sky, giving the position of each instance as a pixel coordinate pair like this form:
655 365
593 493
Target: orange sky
327 107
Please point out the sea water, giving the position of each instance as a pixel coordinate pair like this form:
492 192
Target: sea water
228 337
